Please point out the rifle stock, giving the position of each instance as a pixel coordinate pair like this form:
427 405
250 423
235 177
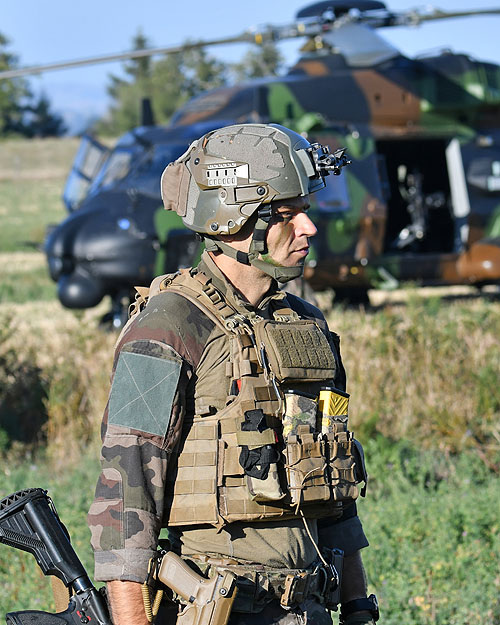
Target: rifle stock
29 521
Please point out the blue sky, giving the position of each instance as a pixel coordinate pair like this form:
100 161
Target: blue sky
55 30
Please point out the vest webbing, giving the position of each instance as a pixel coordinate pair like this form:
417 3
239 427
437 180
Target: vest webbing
209 485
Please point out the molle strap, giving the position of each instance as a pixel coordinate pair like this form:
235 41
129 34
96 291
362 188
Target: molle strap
198 289
256 439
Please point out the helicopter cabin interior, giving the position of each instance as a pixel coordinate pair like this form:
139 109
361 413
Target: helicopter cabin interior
424 204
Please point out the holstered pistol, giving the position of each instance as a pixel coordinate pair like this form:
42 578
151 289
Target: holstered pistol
208 601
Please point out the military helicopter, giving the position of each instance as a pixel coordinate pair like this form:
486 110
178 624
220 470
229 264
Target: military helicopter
420 201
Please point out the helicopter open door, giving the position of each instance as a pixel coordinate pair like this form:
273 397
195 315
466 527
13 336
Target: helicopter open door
88 161
419 212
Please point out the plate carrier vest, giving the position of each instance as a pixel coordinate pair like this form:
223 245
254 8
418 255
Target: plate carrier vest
307 472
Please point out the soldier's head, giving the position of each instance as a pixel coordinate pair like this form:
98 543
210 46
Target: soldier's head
239 181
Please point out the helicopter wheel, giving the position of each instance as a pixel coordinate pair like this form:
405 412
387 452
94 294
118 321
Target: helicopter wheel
351 296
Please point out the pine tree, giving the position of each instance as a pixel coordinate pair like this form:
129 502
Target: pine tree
265 60
14 93
40 121
20 111
168 82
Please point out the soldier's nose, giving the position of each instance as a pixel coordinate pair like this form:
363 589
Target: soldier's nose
305 226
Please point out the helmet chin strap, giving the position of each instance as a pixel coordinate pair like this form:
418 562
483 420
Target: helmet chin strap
257 247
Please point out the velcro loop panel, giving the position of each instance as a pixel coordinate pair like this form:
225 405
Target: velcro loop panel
296 351
143 391
259 439
174 188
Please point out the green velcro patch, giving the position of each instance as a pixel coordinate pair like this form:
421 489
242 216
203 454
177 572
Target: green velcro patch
143 392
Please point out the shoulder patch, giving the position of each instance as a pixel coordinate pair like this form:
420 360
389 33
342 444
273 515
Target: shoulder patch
143 392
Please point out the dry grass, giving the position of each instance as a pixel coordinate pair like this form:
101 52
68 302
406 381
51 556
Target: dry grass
426 371
68 360
36 159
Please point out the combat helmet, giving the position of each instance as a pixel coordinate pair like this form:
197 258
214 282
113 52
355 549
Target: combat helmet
232 173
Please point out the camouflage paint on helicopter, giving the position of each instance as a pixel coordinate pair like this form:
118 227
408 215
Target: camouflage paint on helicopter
420 202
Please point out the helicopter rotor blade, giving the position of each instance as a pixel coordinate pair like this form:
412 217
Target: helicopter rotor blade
416 17
267 34
310 28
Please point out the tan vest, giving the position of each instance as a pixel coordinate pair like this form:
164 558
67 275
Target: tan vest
271 363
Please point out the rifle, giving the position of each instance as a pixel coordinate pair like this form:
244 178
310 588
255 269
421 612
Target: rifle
29 521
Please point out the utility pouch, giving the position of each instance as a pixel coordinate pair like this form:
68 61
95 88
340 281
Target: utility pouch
295 351
259 457
208 601
342 454
307 467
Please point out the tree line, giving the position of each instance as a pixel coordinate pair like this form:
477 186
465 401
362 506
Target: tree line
168 83
21 112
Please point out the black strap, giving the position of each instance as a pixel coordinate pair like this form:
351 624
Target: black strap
368 604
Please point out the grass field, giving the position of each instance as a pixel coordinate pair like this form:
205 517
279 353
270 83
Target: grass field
423 374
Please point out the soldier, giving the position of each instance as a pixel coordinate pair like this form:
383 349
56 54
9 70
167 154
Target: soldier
212 427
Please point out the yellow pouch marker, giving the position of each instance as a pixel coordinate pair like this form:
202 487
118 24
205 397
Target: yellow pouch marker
333 407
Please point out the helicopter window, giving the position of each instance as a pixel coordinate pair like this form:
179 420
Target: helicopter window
334 198
115 168
146 176
75 190
89 159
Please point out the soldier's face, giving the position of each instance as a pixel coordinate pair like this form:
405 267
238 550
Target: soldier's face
288 233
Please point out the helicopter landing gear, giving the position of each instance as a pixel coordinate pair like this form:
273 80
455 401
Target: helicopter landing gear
117 317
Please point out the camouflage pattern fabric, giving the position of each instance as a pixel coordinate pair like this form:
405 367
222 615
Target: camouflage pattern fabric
179 342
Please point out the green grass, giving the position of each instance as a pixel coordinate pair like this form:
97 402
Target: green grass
27 207
433 524
23 585
27 286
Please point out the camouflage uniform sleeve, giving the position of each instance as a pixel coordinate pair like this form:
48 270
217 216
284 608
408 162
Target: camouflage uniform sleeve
141 428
